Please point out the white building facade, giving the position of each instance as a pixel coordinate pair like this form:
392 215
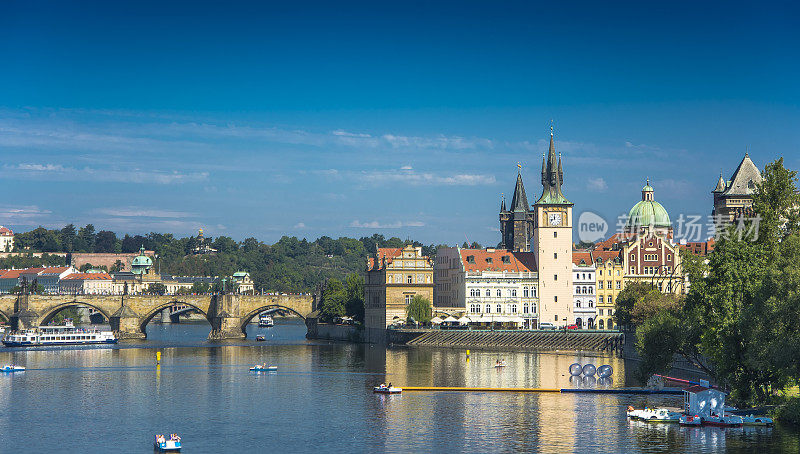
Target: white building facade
493 287
584 294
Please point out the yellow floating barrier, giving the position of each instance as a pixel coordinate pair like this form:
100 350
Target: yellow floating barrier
497 390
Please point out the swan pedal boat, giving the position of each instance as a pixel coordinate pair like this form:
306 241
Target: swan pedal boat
387 390
262 368
11 368
751 420
162 444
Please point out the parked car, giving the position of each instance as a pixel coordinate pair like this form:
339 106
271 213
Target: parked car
546 325
572 326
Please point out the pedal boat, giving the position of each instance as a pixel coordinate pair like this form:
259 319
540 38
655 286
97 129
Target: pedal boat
387 390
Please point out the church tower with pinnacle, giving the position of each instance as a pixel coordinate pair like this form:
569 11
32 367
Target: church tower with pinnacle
516 222
552 243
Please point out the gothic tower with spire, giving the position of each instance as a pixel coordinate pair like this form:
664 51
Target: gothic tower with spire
552 243
516 222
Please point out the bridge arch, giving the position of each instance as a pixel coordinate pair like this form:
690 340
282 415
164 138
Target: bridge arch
5 317
157 310
247 318
48 316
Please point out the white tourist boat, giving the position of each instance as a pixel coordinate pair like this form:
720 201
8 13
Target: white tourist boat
11 368
66 334
265 321
164 444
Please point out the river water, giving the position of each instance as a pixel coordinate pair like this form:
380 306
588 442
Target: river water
113 399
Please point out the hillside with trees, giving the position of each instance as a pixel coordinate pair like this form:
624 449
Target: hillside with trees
289 265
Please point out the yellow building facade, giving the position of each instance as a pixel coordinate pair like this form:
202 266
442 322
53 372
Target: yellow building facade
393 277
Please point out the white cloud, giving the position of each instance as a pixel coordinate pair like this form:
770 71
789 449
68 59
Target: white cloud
596 184
406 168
299 225
143 212
378 225
427 178
23 215
58 172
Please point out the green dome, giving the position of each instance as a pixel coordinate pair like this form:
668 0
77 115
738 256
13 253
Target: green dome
141 263
648 213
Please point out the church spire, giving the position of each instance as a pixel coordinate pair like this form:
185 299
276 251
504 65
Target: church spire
519 202
552 176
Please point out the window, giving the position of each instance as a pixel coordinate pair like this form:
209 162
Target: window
669 256
408 299
578 303
600 285
498 293
633 270
505 259
600 323
488 308
591 303
525 308
617 272
618 285
600 311
601 298
555 277
488 260
488 292
608 284
610 311
513 309
475 308
555 234
410 279
525 292
470 259
555 255
555 299
556 317
534 292
474 292
499 308
513 292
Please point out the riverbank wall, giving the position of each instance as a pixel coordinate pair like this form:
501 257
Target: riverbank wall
328 331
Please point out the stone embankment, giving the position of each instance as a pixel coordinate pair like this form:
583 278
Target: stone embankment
523 340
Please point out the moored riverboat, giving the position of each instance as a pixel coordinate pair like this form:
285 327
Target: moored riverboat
67 334
654 415
383 389
12 368
265 321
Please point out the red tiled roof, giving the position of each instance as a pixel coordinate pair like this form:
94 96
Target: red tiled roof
11 274
5 231
54 270
517 261
606 255
696 388
88 276
390 253
586 256
31 271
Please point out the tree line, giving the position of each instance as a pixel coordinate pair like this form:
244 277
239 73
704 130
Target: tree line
740 320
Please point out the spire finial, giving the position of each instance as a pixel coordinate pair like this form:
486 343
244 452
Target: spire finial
551 127
648 181
519 167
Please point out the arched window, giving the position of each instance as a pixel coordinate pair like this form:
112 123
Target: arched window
499 308
591 290
591 303
600 324
578 303
498 293
525 292
610 323
488 292
534 292
525 308
578 290
513 308
514 292
488 308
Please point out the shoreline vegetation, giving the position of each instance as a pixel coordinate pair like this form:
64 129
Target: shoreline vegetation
739 320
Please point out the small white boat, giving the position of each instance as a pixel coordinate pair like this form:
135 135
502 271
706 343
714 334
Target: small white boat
654 414
500 364
383 389
263 368
261 338
265 321
11 368
690 420
171 444
750 420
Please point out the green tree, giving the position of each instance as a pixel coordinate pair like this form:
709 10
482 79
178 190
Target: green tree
334 298
106 241
354 287
419 309
68 235
157 288
200 287
642 293
85 240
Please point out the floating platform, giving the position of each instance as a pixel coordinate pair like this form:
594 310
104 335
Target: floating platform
547 390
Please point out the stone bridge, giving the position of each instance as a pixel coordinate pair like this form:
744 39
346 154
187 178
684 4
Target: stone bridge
129 314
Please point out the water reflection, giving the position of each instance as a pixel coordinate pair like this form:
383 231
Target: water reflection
321 396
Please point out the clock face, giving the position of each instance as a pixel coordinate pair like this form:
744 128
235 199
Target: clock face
554 218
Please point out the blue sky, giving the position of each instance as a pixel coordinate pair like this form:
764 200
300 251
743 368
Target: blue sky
408 119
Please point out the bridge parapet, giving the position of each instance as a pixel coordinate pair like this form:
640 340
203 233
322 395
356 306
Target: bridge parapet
129 314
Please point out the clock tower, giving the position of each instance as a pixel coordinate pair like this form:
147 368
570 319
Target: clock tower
552 243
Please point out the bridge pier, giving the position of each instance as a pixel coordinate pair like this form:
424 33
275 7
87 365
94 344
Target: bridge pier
225 325
23 317
126 323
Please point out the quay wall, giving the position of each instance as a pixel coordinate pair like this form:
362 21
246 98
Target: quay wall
327 331
510 340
